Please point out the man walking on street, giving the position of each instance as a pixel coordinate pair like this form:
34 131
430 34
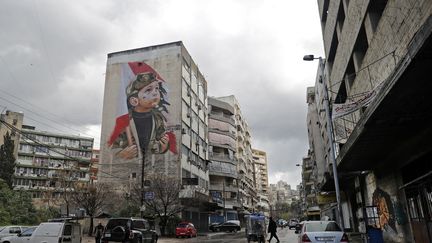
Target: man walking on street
272 230
98 230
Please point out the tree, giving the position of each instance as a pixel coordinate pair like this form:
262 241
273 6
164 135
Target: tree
92 198
16 206
165 203
7 160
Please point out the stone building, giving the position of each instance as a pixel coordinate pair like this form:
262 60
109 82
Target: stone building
377 56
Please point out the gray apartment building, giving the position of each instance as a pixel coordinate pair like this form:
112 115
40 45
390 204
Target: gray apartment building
155 122
261 181
377 57
224 189
47 163
245 167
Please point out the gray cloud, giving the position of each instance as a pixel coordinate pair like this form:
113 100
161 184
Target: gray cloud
53 56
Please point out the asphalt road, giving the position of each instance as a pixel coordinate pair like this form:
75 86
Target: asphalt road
285 236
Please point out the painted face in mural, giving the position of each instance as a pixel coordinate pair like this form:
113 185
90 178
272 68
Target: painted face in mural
147 98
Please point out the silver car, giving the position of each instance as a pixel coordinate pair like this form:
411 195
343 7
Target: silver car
23 237
11 230
321 232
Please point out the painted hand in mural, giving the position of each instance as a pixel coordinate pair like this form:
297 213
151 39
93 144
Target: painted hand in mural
164 142
129 152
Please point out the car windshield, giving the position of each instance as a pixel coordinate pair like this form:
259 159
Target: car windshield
116 222
321 226
28 232
182 225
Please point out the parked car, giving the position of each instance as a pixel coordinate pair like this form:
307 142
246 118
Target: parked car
132 230
11 230
292 223
57 232
321 231
186 229
227 226
21 237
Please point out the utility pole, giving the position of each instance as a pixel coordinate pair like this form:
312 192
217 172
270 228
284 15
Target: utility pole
326 105
142 183
224 199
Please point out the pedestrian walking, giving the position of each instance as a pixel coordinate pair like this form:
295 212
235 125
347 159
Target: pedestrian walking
98 231
272 230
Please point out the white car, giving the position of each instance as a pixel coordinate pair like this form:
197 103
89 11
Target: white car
321 232
11 230
20 238
57 232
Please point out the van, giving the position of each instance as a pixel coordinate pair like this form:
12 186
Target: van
57 232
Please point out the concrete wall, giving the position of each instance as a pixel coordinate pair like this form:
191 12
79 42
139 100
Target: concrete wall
383 192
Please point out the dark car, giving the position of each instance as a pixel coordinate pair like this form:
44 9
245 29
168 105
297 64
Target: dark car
227 226
131 230
292 223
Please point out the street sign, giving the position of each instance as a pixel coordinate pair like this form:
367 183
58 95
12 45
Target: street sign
149 195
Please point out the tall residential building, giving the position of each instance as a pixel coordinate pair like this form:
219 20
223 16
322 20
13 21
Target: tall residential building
224 188
377 61
245 166
94 165
261 180
47 163
155 123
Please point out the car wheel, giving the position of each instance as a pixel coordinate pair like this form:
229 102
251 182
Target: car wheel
139 240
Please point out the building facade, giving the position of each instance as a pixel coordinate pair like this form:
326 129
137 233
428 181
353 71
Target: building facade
261 181
376 70
245 167
224 188
155 121
47 163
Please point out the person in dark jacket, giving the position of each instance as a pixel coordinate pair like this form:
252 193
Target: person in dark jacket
98 230
272 230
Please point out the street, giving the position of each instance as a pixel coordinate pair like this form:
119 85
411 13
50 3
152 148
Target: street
285 235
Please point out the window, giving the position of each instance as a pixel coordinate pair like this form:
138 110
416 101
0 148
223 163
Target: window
67 230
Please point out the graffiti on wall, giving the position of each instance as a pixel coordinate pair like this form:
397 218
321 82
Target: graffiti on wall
140 124
382 201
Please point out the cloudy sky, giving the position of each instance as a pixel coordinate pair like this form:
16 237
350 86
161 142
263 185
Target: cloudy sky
53 60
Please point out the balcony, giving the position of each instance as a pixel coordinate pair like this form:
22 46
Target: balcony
222 157
221 187
195 192
222 117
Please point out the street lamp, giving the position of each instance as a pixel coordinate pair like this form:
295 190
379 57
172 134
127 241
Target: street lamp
330 133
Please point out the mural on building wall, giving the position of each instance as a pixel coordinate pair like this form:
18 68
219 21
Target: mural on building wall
386 214
141 114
